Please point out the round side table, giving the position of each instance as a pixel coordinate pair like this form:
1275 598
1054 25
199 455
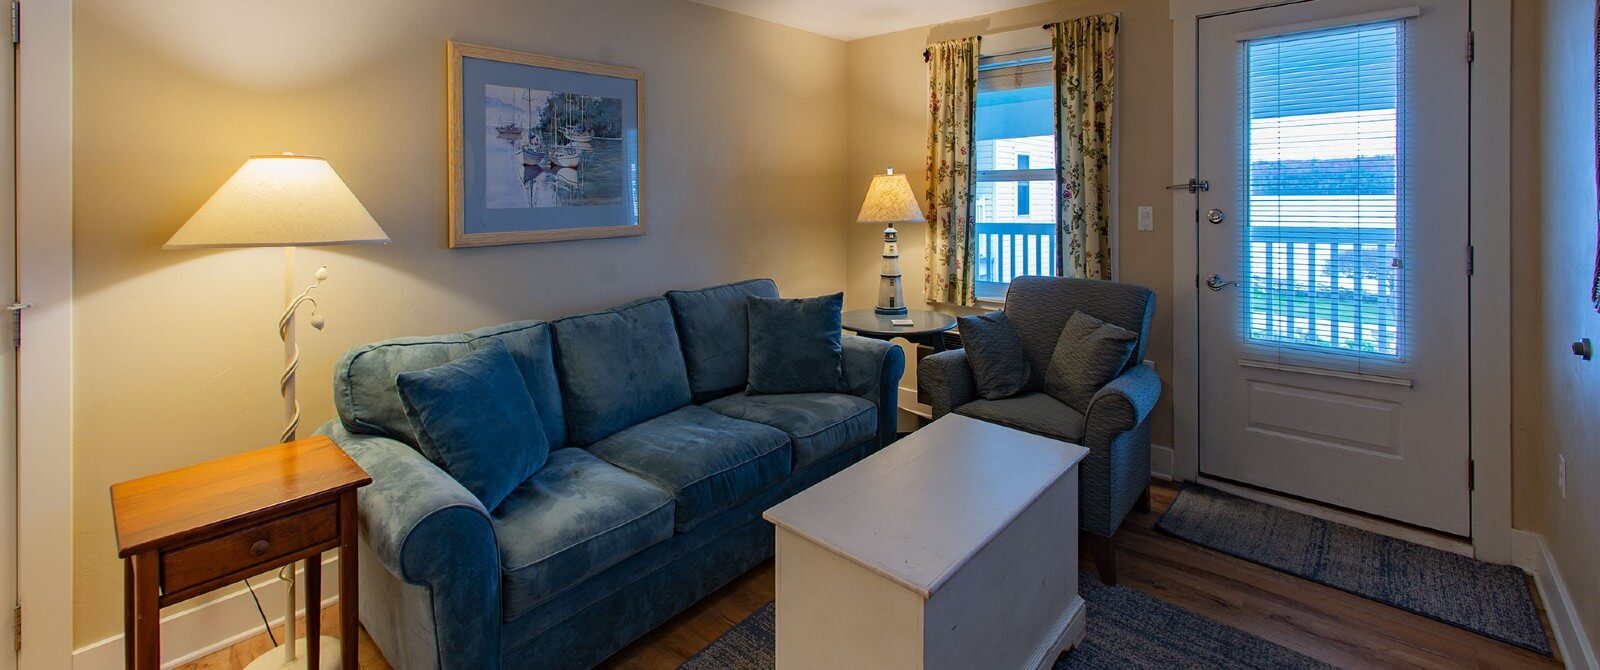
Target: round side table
927 328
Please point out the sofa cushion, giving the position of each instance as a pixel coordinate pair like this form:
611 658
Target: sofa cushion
364 379
1033 412
618 368
573 519
474 419
818 424
794 345
713 325
707 461
530 346
364 389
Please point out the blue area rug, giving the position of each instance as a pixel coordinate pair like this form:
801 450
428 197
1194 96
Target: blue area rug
1485 598
1126 629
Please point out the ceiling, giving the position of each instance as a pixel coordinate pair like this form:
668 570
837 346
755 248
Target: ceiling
854 19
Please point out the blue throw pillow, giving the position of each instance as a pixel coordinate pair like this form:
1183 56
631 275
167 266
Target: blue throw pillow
794 345
1000 367
474 418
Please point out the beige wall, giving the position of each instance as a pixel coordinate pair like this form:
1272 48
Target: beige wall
888 84
1554 392
176 351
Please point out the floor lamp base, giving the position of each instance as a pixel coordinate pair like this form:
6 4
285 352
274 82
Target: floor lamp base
275 659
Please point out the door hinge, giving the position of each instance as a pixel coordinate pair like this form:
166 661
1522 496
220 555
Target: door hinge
16 627
16 22
1472 475
16 322
1472 45
1194 185
1471 260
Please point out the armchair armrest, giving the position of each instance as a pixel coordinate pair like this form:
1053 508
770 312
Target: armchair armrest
428 530
1122 405
945 379
872 370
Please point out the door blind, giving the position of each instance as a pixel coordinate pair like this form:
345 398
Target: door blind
1324 196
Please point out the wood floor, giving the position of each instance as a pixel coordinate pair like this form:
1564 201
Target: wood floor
1342 629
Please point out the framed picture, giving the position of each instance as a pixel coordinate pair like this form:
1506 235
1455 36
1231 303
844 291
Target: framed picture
542 148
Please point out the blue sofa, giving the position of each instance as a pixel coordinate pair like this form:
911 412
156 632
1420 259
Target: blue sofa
660 467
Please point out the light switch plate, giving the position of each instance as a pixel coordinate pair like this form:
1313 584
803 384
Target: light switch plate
1147 218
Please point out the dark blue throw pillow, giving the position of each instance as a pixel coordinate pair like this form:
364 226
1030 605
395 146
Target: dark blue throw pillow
794 345
1000 368
474 418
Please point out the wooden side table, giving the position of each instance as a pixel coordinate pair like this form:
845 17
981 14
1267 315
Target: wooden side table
196 529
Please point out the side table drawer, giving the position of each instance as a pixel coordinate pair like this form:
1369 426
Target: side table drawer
257 545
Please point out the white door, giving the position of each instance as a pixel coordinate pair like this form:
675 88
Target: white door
1333 254
8 360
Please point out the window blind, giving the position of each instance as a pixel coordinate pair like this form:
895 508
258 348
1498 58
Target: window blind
1325 197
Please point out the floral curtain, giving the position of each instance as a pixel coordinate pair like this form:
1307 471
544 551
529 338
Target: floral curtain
1085 59
952 105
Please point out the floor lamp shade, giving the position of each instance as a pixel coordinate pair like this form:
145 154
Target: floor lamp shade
285 201
280 201
890 201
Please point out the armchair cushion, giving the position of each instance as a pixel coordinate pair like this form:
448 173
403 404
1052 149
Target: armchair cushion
707 461
1089 355
474 418
1036 413
999 368
578 516
819 424
794 345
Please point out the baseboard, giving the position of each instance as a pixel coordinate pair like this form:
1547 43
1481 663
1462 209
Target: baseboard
1531 554
1161 462
192 633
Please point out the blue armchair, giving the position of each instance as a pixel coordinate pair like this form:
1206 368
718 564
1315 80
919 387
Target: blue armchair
1115 476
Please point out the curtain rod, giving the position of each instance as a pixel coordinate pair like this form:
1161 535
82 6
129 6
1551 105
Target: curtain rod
927 54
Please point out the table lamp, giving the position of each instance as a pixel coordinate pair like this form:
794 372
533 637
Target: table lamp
284 201
890 201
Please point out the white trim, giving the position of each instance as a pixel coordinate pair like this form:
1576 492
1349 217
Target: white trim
44 376
1533 556
193 633
908 403
1490 300
1338 22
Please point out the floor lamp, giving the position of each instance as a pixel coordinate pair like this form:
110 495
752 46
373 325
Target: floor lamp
284 201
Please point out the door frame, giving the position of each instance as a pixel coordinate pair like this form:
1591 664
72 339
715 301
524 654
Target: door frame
44 365
1489 231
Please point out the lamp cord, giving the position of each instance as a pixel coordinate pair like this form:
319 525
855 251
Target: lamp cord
266 624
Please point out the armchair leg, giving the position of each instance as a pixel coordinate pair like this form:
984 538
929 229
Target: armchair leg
1143 504
1104 554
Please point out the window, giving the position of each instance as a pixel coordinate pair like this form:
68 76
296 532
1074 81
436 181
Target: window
1324 248
1016 157
1023 203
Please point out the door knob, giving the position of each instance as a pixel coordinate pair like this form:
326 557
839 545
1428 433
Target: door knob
1216 282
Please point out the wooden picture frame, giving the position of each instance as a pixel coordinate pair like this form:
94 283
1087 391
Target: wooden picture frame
576 153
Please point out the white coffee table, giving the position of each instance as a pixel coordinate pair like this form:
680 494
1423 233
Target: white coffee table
955 547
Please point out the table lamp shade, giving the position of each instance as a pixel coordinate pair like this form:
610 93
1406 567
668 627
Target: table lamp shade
890 201
280 201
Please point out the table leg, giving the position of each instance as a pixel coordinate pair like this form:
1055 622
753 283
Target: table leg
349 637
128 631
313 580
146 612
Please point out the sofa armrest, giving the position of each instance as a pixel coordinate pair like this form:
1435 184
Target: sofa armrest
428 530
945 379
872 370
1122 405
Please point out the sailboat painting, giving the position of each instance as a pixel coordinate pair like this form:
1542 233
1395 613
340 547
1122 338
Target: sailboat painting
568 151
542 148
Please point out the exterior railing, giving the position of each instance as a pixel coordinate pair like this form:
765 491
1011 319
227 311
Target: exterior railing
1010 250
